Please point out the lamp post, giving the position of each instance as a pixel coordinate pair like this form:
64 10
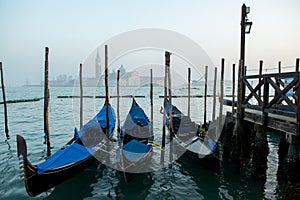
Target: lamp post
245 29
239 134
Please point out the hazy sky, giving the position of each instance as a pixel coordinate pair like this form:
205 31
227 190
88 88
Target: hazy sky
73 29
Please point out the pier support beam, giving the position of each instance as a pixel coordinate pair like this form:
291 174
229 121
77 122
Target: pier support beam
248 131
292 184
235 141
282 154
260 153
226 137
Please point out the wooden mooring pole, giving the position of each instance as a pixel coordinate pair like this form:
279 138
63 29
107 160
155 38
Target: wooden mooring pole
46 103
171 111
106 93
214 95
229 123
107 133
189 92
81 95
277 81
163 142
170 94
260 74
220 125
4 102
151 99
205 97
118 105
233 88
236 137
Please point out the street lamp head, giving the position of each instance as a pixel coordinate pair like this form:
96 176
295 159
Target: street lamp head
247 10
248 26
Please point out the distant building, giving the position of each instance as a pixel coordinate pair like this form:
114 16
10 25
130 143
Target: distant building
126 78
130 79
145 80
98 69
61 81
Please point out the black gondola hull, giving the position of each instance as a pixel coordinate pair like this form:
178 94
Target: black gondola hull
37 183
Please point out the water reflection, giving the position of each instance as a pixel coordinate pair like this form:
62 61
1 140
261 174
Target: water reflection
78 187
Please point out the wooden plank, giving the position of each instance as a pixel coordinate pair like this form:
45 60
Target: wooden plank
21 100
279 112
274 123
185 96
253 107
276 75
280 82
121 96
272 115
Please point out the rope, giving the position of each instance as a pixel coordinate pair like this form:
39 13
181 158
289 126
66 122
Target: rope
155 144
25 179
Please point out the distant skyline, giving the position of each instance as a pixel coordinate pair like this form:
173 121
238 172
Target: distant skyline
74 29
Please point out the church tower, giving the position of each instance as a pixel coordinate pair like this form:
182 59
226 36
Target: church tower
98 69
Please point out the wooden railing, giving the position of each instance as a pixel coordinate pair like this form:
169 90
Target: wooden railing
274 89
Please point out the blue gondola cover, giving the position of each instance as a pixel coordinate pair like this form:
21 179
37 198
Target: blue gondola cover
174 109
135 117
135 150
73 153
101 117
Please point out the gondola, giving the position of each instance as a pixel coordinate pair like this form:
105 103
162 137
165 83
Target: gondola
77 154
197 141
135 148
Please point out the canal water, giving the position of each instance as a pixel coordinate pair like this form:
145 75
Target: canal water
182 179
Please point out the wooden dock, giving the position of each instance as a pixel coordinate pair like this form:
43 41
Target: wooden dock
274 109
270 103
